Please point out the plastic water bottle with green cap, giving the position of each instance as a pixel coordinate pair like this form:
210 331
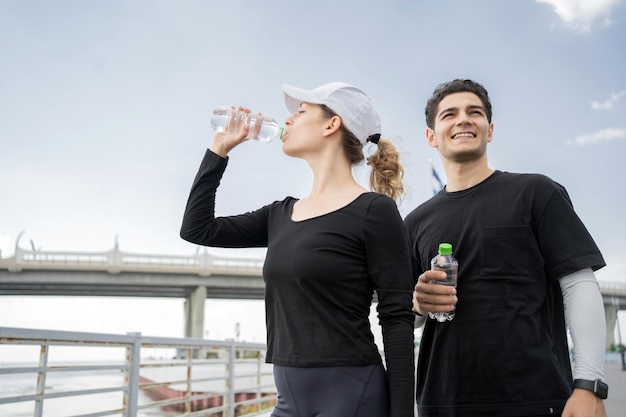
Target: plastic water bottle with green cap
229 120
444 261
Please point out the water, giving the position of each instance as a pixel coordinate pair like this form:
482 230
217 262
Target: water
451 272
227 120
219 120
269 131
13 385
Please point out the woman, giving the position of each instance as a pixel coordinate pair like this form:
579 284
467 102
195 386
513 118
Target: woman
326 255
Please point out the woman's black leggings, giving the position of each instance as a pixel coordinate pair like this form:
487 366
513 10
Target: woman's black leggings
343 391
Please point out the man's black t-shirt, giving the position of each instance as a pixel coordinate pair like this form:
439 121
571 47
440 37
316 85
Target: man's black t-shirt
506 352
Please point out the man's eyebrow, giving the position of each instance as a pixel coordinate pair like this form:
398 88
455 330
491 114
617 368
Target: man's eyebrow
475 106
470 107
447 110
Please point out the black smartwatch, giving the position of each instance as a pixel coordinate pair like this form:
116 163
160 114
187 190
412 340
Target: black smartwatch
599 388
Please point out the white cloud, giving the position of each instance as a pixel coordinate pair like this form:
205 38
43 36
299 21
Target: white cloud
582 14
603 135
608 104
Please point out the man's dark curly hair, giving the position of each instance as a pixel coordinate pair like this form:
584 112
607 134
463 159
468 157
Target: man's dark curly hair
451 87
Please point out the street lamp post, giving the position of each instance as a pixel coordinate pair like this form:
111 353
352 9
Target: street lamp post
619 333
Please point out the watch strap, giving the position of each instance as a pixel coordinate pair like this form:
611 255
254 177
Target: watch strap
599 388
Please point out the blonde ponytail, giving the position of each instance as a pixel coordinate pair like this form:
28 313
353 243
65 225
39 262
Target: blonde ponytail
387 173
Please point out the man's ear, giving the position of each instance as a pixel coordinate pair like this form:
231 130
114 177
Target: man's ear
333 125
431 138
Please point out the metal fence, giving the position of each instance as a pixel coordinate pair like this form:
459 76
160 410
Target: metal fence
171 376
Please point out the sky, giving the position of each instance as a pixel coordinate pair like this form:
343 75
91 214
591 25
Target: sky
105 109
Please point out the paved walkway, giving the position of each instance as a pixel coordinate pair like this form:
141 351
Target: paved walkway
615 377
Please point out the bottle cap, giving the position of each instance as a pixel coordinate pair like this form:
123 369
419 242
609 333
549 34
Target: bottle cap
445 248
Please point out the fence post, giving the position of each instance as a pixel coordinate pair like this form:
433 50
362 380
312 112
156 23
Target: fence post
133 362
41 377
231 379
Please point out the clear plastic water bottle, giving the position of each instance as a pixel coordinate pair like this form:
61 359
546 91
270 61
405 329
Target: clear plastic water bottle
444 261
228 120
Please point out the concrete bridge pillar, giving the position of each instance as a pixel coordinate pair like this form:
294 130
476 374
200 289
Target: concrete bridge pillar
610 311
194 313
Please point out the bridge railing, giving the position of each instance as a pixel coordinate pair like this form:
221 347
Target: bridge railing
202 263
191 377
116 261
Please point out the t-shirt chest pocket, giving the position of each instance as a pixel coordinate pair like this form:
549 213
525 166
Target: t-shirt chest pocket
505 251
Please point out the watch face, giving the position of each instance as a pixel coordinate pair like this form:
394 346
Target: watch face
601 389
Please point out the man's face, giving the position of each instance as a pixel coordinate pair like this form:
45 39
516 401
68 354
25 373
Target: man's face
461 131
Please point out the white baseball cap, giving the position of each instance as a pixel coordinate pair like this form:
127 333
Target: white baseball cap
351 104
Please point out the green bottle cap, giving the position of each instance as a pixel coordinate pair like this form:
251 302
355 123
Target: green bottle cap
445 248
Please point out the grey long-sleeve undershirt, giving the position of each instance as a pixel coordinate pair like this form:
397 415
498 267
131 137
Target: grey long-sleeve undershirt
584 312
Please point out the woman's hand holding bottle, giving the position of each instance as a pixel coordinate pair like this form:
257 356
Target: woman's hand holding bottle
238 132
232 122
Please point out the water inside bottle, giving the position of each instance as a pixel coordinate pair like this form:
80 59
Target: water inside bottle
269 130
218 121
262 129
450 280
222 119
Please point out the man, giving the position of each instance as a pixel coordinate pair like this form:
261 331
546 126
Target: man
526 264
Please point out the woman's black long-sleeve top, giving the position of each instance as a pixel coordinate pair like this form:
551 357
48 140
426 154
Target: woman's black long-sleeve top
320 275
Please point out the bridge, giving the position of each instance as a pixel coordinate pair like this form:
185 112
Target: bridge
195 278
120 274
